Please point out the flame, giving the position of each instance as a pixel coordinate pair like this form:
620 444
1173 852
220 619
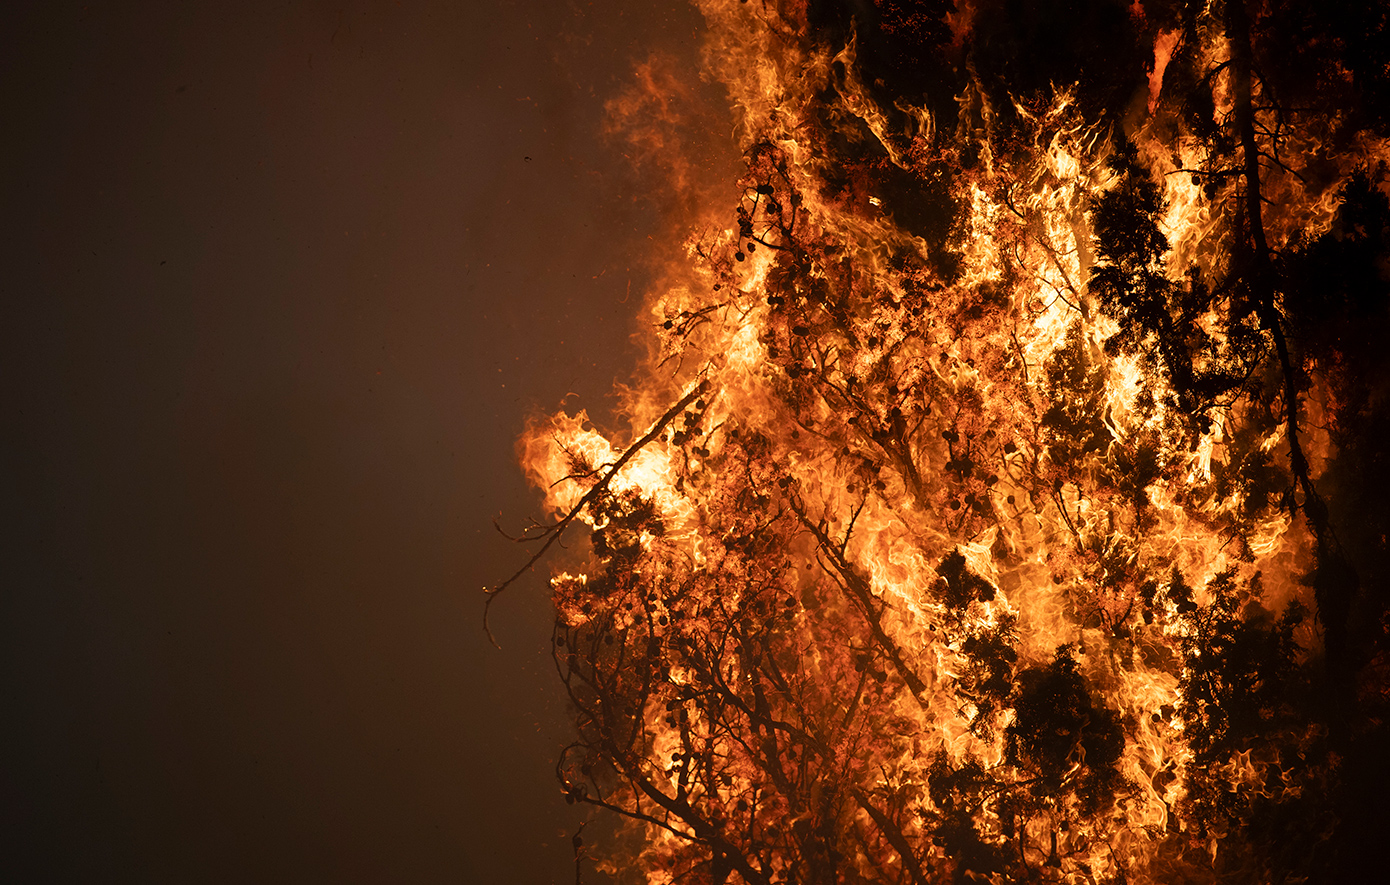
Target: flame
910 499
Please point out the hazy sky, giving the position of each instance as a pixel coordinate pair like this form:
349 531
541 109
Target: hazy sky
282 281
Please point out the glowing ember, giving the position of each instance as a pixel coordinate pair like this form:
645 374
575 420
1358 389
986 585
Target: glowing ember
979 517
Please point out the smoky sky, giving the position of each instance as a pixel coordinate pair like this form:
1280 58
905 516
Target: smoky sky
283 282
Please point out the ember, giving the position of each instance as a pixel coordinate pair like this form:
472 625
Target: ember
1003 500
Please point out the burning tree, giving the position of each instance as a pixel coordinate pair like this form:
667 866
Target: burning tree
1004 500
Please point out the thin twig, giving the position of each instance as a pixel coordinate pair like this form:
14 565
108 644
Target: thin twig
552 533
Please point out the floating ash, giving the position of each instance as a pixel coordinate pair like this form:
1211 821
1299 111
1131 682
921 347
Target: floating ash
1005 498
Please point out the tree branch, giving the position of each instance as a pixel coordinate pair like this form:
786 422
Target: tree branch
552 533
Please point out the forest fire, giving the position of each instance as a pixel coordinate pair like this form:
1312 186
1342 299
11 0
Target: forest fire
1001 501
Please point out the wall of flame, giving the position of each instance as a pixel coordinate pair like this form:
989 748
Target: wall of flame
871 488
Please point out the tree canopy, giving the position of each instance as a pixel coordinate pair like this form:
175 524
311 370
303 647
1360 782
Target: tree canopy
1005 498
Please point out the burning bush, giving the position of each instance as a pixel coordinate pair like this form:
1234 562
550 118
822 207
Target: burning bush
999 503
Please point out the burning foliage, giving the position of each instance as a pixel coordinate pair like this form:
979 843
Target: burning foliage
1005 498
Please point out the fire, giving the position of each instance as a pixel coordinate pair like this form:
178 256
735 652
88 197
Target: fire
986 537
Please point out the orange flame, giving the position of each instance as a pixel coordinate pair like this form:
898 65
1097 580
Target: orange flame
910 487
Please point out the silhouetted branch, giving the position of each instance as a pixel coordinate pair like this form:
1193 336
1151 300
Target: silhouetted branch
552 533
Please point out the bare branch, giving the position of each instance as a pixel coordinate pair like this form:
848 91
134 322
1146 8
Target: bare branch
552 533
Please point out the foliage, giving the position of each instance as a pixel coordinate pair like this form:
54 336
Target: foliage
950 560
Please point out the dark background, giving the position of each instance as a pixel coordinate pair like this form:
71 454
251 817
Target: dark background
282 282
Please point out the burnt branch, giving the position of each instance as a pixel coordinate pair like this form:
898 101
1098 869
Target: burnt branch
552 533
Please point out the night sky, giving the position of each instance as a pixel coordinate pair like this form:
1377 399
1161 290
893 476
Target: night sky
282 283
